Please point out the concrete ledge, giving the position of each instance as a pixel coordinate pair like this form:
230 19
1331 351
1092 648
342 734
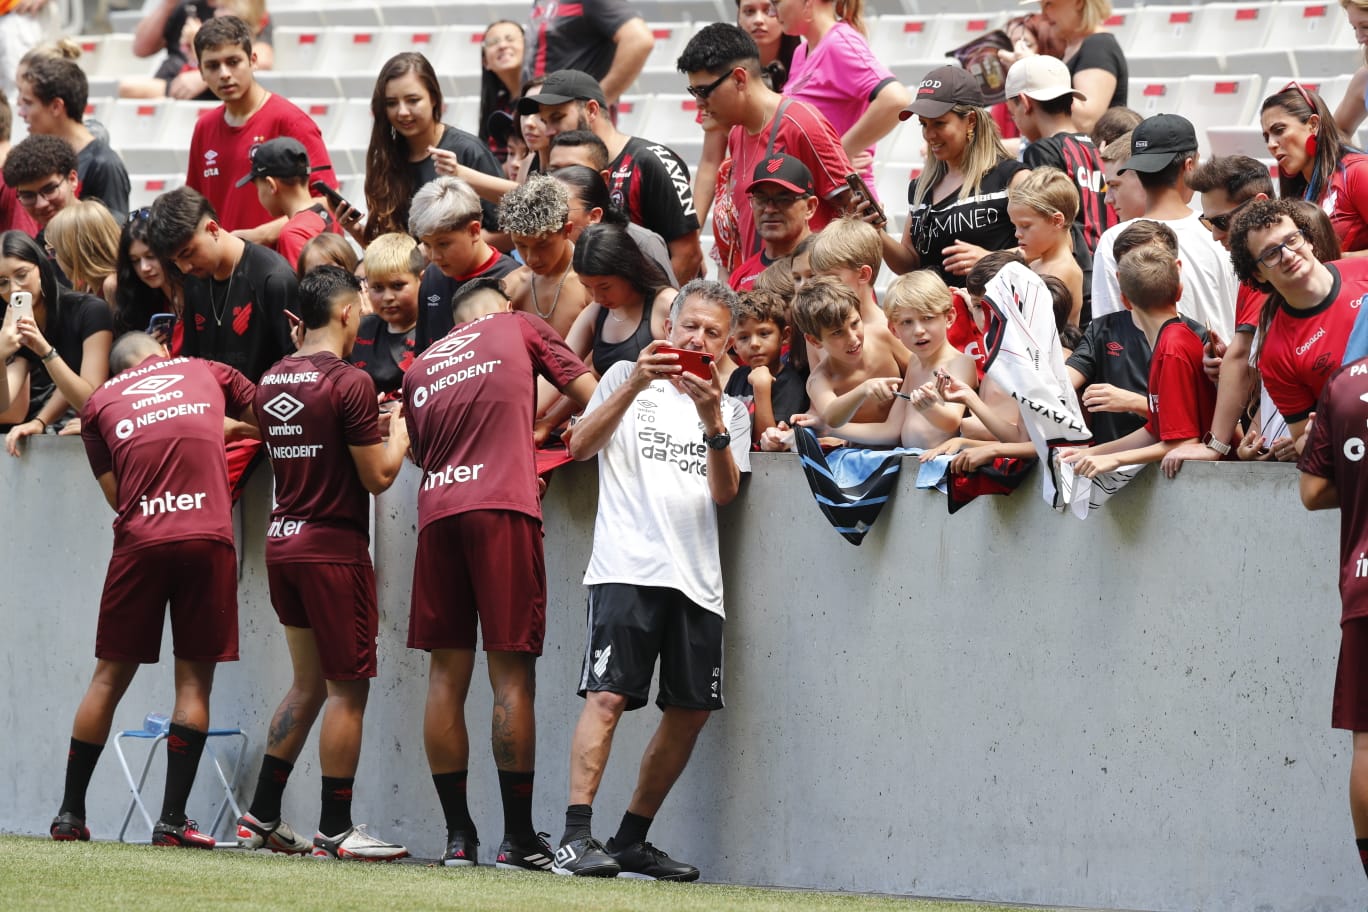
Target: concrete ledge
1127 712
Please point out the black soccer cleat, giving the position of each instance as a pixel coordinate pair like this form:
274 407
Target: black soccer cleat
461 851
584 857
524 854
646 862
67 827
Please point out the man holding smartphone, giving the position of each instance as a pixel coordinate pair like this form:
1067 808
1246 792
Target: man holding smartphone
655 573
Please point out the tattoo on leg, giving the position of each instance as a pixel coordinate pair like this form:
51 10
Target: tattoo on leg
281 726
505 748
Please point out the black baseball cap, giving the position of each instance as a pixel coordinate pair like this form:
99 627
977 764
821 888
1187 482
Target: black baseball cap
562 86
283 156
942 89
783 171
1156 141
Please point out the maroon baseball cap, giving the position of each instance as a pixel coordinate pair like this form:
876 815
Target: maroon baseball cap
942 89
783 171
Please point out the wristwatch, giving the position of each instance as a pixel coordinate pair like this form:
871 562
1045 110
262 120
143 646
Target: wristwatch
1220 446
717 441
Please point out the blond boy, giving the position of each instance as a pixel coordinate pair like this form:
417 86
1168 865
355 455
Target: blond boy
851 250
1042 207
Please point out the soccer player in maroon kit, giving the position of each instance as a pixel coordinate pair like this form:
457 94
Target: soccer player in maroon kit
154 437
469 401
317 415
1332 476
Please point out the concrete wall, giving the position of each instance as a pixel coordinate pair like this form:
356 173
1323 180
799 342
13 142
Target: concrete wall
1007 704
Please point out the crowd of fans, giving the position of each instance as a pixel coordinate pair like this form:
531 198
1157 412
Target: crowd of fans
592 229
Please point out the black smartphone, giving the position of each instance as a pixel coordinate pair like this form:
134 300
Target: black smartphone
163 323
857 184
336 199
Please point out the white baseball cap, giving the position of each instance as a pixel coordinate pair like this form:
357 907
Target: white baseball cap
1042 78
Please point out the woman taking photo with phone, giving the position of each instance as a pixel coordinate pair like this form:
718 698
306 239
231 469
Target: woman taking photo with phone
80 326
407 110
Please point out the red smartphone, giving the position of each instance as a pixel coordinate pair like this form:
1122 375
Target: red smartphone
695 362
336 199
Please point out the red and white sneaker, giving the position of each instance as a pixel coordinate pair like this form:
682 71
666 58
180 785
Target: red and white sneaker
185 836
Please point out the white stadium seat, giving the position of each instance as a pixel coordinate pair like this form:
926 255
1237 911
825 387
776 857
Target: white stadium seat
1223 141
1227 27
147 187
1161 30
1310 23
1121 23
1156 96
961 28
898 38
1325 62
632 112
1217 100
139 121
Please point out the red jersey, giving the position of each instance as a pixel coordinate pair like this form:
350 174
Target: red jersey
469 401
965 335
808 137
1346 201
301 228
1249 302
1334 451
1181 399
159 429
311 408
742 277
1304 347
219 156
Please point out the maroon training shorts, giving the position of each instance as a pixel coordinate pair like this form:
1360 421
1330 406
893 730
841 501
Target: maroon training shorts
485 566
336 601
1351 677
197 577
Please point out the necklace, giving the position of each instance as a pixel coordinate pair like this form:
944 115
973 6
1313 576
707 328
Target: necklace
554 301
214 305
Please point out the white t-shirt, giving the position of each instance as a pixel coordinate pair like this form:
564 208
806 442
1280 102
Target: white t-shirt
1209 285
657 523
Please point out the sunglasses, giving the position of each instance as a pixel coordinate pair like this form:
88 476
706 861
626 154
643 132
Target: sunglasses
702 92
1222 222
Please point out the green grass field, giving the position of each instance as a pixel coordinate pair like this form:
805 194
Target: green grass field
38 875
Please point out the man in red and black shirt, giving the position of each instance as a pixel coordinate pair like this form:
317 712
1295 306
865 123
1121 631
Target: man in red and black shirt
1332 476
236 297
605 38
469 401
783 202
154 438
1272 247
317 415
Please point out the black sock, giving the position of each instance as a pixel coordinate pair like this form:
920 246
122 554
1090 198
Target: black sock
632 830
578 818
270 787
184 746
1363 853
516 791
451 792
81 759
335 818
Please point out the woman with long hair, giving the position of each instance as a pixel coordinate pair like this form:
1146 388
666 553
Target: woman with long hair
1316 164
590 204
147 284
407 110
501 64
80 327
630 298
85 240
1094 57
958 205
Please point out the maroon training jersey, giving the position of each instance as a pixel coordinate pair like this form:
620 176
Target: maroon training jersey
159 429
311 408
1335 451
469 401
1181 399
1304 347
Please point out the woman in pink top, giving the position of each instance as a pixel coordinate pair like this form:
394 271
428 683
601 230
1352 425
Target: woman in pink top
837 73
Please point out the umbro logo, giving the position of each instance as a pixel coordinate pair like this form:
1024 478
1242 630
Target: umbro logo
149 385
450 346
283 407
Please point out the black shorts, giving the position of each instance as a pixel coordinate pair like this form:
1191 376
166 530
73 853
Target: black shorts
629 626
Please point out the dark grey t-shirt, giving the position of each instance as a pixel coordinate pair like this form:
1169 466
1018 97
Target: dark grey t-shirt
573 36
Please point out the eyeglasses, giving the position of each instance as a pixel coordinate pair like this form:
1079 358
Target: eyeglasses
702 92
1222 222
47 192
776 202
138 215
1273 256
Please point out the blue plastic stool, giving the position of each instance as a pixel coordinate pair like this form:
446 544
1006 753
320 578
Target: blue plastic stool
157 737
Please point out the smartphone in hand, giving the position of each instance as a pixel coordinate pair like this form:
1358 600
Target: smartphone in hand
337 200
695 362
857 185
